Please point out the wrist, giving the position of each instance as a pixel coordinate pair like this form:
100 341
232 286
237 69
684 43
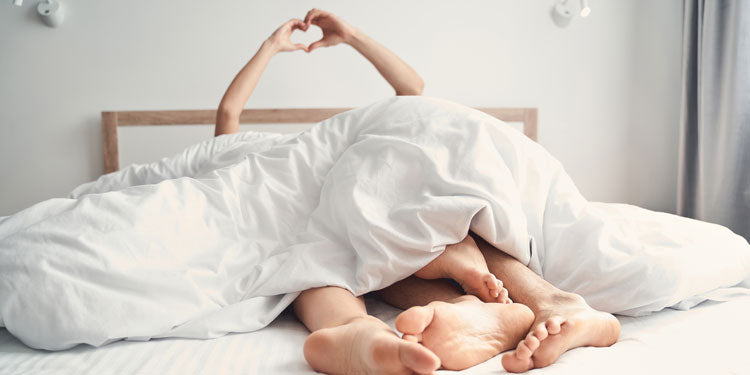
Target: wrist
270 46
354 37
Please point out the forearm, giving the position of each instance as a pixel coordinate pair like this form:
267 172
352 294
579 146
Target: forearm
398 73
239 91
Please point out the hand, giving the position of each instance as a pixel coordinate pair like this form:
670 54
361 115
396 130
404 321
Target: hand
280 38
335 30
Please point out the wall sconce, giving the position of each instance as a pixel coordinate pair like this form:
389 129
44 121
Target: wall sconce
585 10
562 14
50 11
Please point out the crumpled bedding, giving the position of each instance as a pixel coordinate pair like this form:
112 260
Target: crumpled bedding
222 237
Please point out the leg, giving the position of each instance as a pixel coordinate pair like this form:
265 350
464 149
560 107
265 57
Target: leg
462 330
464 263
345 340
414 291
328 307
563 320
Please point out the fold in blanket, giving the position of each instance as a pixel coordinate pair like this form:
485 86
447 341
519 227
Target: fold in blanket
222 237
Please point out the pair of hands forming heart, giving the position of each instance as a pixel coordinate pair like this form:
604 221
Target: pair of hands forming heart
335 31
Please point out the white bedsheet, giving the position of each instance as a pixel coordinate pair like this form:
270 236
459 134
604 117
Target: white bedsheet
359 201
709 339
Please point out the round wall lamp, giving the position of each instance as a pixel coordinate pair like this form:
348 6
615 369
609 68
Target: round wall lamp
50 11
562 11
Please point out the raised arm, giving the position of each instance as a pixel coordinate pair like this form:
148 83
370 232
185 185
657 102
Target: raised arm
399 75
230 108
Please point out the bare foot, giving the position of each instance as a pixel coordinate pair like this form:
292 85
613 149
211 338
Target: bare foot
567 323
464 263
366 346
466 332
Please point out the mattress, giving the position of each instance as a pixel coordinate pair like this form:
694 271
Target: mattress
711 338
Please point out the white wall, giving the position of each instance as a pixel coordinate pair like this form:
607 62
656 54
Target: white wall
607 86
653 137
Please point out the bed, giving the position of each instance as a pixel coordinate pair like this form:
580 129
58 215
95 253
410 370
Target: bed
709 338
111 120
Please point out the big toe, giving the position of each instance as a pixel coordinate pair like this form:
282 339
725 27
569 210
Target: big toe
418 358
513 363
316 348
414 320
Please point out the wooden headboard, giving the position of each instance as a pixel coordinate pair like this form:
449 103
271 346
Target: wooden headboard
111 120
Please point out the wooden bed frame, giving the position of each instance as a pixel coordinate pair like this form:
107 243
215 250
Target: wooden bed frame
111 120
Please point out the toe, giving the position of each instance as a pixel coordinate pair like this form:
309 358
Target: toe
531 342
523 351
492 284
412 338
512 363
553 324
540 331
315 347
418 358
503 296
414 320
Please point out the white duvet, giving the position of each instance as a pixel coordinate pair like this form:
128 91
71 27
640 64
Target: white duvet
224 236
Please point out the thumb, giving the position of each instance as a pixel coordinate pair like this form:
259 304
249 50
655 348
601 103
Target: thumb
300 46
318 44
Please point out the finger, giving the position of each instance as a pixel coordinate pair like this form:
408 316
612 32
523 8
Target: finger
318 44
317 20
317 17
298 24
311 15
300 46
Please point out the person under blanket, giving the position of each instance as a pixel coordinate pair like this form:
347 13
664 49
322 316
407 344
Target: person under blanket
442 326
